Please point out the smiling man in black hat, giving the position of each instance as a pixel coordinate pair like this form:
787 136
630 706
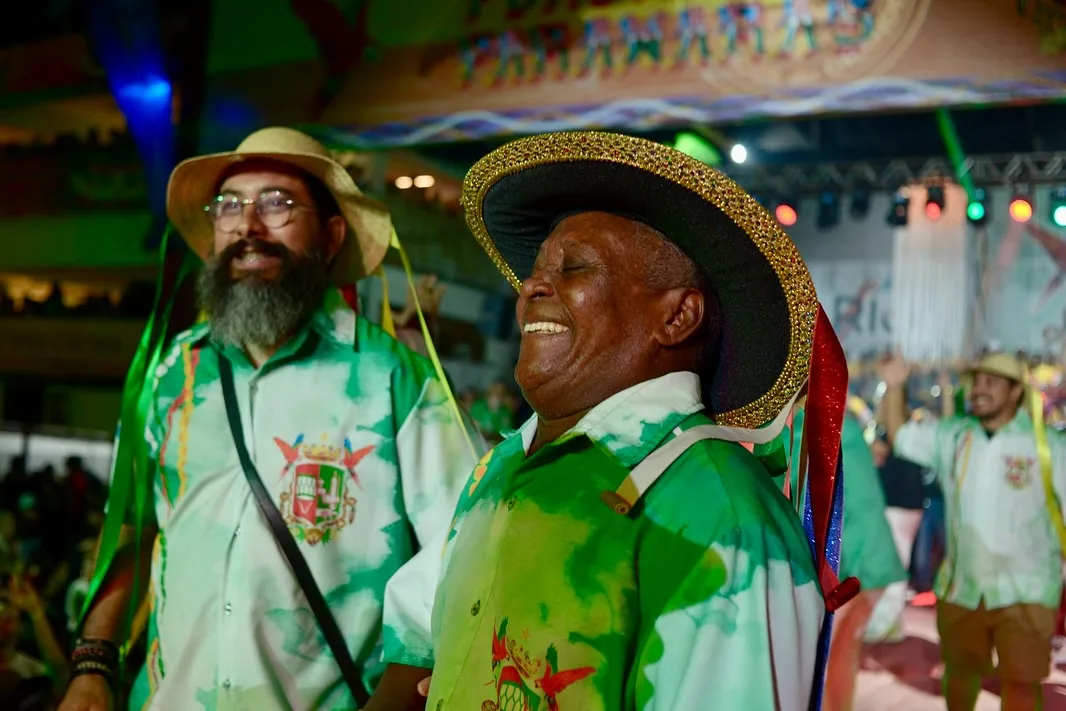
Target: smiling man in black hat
622 550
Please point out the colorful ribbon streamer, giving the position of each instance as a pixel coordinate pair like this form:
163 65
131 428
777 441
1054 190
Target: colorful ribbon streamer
1043 452
823 509
130 471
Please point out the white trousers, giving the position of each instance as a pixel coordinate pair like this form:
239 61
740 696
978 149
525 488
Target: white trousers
888 613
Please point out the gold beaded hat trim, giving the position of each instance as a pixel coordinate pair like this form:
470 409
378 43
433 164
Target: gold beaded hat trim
513 195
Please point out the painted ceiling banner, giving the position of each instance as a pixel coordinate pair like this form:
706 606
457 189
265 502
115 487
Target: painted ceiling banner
461 70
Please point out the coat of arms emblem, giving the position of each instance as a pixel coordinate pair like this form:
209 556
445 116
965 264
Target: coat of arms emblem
318 503
523 683
1018 471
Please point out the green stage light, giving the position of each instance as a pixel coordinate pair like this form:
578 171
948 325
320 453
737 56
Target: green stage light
699 148
1058 207
977 208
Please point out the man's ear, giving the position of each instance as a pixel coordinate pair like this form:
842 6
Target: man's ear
683 310
336 233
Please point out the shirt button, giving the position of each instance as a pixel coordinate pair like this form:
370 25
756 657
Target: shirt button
475 608
229 608
236 531
511 503
440 704
225 684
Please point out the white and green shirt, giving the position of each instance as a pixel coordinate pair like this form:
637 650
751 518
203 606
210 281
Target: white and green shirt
1001 545
547 597
352 433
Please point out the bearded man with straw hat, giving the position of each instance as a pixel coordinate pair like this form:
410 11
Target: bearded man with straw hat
1003 475
297 454
623 550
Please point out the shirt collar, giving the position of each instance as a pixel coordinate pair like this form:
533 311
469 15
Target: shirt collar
632 423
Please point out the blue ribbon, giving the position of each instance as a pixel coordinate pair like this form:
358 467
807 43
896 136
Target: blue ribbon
832 556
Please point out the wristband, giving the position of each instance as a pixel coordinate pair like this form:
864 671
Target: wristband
95 656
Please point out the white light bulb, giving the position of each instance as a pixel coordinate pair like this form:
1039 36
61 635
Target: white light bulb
738 153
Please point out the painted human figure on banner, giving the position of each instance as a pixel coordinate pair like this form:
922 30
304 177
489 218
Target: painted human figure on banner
597 42
548 43
642 37
473 53
692 28
729 28
751 19
510 51
798 14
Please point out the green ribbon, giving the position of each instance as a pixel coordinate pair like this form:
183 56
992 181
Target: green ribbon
130 471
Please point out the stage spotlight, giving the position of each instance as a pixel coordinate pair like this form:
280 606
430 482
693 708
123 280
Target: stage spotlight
934 202
699 148
1058 207
828 210
897 214
977 208
860 203
738 153
1021 208
786 213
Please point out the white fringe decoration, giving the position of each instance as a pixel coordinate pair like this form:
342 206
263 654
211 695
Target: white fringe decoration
930 292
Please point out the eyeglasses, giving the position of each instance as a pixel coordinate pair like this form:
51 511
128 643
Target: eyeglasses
274 208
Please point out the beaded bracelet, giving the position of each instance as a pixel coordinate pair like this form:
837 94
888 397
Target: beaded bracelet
95 656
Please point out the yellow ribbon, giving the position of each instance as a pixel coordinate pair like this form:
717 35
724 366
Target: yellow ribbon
1043 452
431 351
386 307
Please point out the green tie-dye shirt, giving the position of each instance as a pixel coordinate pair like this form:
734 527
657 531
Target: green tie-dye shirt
1001 546
352 433
704 596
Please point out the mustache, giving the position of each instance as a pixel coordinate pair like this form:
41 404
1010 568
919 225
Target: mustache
242 246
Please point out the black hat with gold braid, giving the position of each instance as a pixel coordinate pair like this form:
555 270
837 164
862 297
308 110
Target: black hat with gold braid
515 195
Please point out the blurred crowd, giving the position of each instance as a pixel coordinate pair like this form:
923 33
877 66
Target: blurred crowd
48 526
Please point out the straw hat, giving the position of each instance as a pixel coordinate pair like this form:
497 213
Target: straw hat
1002 364
194 183
515 195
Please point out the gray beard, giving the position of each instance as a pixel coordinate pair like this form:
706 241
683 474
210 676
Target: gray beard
261 312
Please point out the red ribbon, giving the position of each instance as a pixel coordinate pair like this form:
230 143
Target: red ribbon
827 394
351 296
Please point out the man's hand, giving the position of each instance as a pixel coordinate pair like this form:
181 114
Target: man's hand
894 370
423 686
429 293
88 693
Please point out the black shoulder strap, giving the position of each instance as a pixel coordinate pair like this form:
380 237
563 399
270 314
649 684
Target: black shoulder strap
319 608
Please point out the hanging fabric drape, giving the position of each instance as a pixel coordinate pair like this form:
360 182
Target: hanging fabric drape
930 280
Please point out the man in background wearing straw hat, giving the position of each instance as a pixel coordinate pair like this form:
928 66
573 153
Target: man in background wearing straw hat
350 432
1003 476
623 550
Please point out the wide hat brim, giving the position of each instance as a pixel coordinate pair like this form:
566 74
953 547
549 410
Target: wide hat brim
514 196
1002 365
194 182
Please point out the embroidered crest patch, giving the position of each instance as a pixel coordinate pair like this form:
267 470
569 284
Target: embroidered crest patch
318 503
1019 471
